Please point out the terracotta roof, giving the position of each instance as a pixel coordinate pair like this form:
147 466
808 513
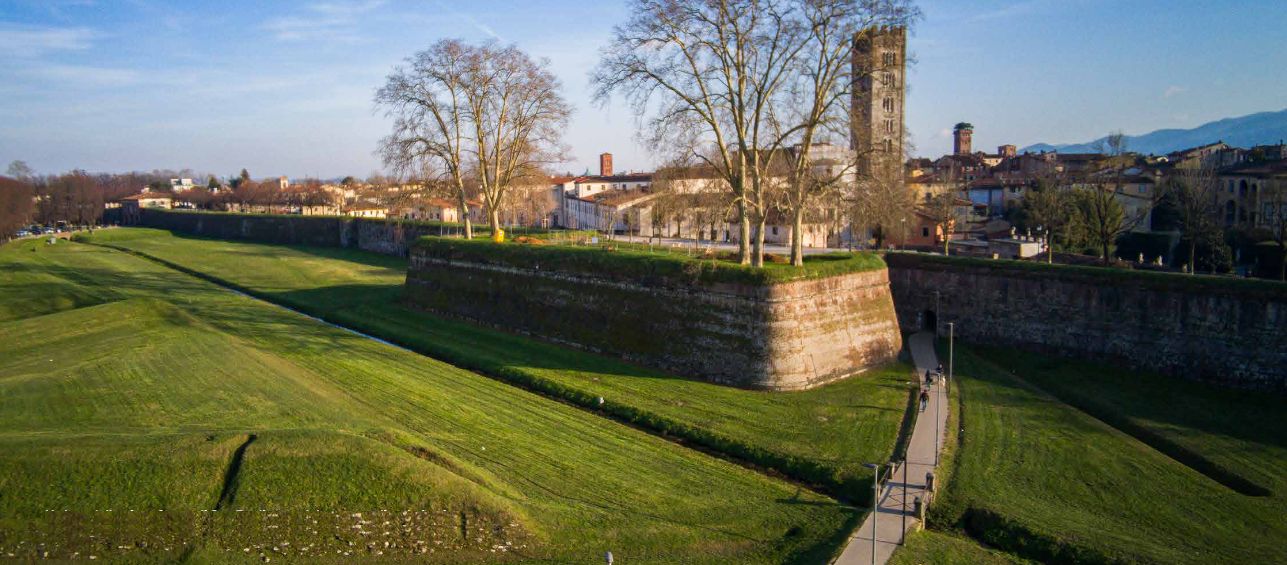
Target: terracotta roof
634 177
149 196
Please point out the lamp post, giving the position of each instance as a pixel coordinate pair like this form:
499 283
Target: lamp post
902 538
875 504
951 349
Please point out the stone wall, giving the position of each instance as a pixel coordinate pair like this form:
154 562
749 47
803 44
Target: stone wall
785 336
378 236
1229 331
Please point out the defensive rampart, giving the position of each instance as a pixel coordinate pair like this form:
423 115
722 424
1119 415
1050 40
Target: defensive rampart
1232 331
779 336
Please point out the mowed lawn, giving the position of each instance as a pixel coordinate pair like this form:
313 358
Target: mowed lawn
828 431
1039 477
135 401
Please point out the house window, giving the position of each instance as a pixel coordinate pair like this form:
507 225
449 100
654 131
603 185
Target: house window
775 230
924 231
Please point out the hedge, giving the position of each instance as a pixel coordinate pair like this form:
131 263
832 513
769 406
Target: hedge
1149 279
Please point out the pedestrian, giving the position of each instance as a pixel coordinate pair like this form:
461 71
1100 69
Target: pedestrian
929 378
924 399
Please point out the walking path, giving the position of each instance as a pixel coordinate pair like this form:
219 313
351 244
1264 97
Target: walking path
921 454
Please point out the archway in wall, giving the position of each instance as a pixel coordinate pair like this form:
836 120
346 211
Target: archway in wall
929 321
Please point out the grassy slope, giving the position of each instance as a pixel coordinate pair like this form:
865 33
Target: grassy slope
1240 431
1052 470
929 547
140 402
834 427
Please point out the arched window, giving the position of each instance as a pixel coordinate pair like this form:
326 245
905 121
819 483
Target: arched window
1242 188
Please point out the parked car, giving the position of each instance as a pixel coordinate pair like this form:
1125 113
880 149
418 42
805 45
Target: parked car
23 233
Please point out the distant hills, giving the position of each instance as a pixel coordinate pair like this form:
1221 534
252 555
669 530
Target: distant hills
1264 128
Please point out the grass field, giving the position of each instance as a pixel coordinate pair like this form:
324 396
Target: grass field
823 433
1039 477
135 401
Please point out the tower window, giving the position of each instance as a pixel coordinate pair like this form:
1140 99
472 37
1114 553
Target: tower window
888 104
888 58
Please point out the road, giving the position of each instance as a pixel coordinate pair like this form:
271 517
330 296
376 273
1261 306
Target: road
921 455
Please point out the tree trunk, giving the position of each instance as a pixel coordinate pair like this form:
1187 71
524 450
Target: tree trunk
757 256
797 237
493 219
1193 256
463 212
946 239
744 231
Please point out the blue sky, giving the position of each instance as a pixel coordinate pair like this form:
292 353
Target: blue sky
285 87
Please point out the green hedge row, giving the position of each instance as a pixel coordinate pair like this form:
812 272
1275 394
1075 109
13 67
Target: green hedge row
996 530
853 488
1110 275
630 263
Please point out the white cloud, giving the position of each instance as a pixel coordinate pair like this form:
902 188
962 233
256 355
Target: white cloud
1173 90
85 76
28 41
1016 9
325 21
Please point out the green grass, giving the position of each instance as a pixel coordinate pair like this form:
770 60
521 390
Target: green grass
820 435
929 547
1041 478
120 421
1219 431
639 261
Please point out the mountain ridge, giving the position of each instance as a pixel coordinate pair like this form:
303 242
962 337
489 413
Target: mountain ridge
1261 128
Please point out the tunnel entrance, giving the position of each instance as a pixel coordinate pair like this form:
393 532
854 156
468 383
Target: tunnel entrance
929 321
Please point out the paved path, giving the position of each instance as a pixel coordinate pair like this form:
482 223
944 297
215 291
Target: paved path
921 454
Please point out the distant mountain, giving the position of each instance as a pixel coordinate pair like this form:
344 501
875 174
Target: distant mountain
1264 128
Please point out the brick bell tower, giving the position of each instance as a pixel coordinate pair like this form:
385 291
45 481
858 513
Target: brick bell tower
879 91
605 164
962 136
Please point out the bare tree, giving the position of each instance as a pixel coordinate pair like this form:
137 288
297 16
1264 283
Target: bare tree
1101 210
16 205
707 72
880 202
430 107
1052 209
1274 216
484 112
941 209
1194 191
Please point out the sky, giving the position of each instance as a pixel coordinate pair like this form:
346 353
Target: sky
285 87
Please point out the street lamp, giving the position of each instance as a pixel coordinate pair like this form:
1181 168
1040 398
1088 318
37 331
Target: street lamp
875 504
902 538
951 350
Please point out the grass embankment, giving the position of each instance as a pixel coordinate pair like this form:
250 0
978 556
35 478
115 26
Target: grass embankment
1043 479
820 435
636 261
121 422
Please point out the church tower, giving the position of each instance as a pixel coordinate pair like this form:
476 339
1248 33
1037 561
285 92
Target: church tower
879 94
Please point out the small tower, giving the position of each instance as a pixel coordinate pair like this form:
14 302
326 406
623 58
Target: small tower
605 164
961 138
